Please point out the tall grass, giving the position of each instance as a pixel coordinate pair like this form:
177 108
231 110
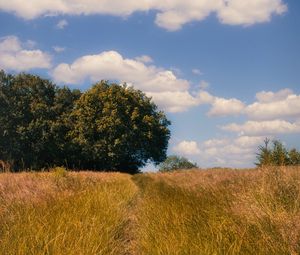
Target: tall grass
64 214
186 212
219 212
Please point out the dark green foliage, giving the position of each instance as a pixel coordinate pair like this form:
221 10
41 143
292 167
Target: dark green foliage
118 128
277 155
33 124
109 127
175 162
294 157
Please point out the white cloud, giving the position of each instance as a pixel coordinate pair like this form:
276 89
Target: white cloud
269 96
225 107
282 104
112 66
232 152
187 148
224 152
15 57
220 106
168 91
241 12
174 101
266 128
205 98
171 15
145 59
58 49
62 24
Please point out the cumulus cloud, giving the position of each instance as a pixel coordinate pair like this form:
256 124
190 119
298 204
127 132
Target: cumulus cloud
19 56
171 15
187 148
220 106
272 127
174 101
224 152
237 12
237 152
282 104
225 107
62 24
112 66
168 91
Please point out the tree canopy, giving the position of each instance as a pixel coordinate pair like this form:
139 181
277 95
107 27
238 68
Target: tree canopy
174 162
108 127
119 128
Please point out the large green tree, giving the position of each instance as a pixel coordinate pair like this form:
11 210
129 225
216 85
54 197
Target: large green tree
118 128
109 127
33 121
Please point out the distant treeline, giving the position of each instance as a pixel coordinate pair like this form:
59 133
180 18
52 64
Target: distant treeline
277 155
108 127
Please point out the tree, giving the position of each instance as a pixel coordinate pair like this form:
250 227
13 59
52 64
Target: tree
109 127
32 121
294 157
264 155
118 128
175 162
277 155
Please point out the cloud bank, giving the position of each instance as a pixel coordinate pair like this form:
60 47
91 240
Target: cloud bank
171 15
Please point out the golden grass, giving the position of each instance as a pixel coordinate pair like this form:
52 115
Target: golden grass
218 211
81 213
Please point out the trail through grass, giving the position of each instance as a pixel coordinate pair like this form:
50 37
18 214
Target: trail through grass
185 212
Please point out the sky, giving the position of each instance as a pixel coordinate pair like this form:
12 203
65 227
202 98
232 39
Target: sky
226 72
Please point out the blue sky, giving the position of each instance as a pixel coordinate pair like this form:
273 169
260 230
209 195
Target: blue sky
227 73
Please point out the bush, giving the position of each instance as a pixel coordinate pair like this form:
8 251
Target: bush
175 162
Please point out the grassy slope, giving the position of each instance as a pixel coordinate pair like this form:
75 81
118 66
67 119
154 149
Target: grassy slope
187 212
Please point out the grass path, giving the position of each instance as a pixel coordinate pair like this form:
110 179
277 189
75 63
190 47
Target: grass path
187 212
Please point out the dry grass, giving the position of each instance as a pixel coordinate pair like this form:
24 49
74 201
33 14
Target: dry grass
77 213
218 211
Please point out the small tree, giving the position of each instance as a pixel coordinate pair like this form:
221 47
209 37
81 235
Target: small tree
264 155
294 157
279 154
175 162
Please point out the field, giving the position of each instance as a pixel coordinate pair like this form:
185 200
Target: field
217 211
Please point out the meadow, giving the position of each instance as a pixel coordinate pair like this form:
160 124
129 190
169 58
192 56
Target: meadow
216 211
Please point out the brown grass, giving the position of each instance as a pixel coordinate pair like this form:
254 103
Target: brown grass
216 211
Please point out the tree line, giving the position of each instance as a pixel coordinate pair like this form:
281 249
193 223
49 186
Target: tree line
275 154
108 127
